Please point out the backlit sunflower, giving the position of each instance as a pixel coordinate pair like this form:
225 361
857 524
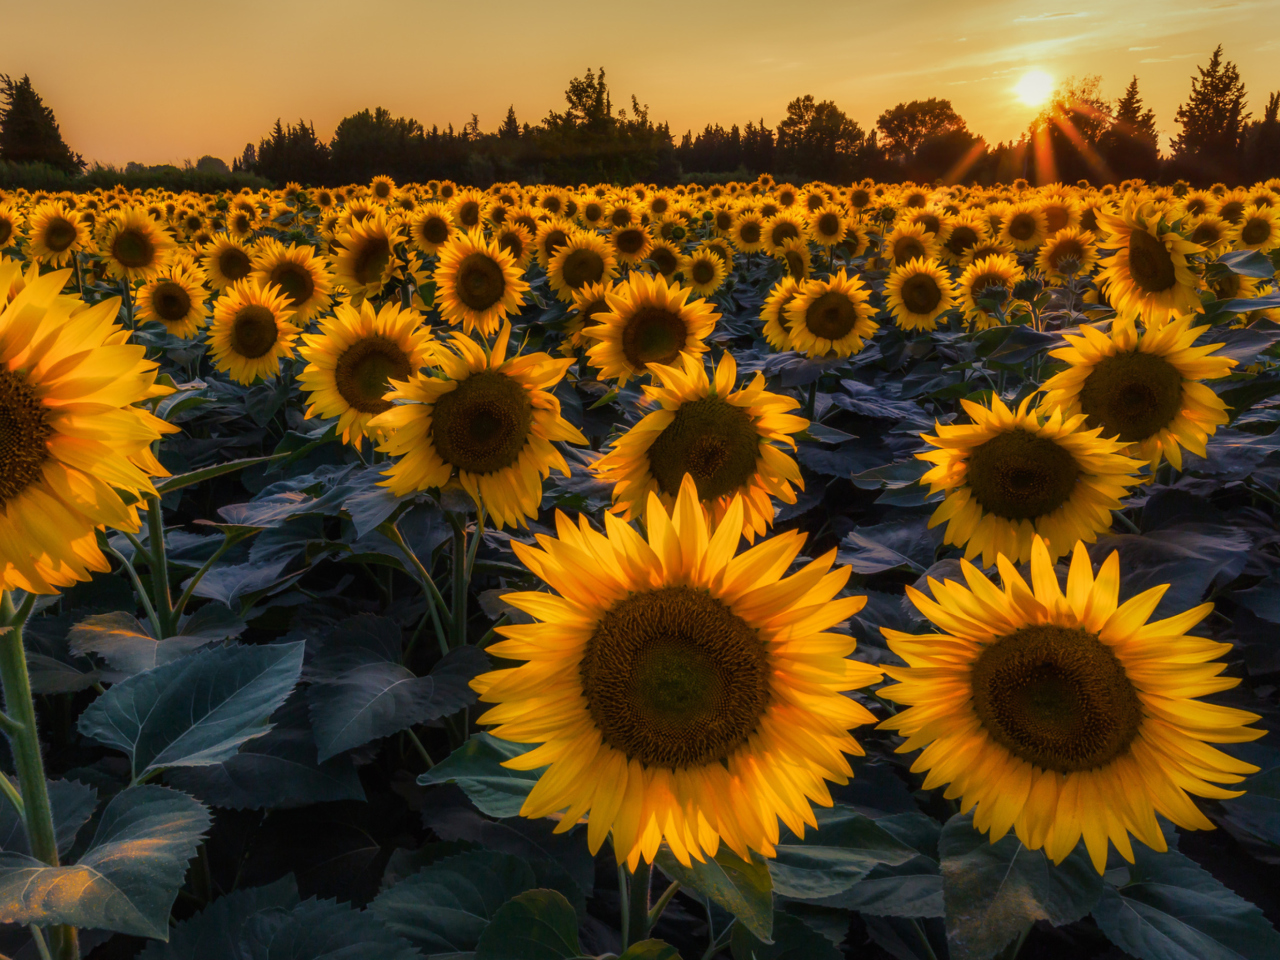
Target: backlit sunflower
1258 229
11 221
176 298
1149 274
796 258
722 248
991 279
430 227
477 284
1065 714
774 313
631 244
55 234
781 227
1211 232
227 261
648 321
489 423
303 276
384 188
679 693
587 302
747 232
551 235
919 292
516 239
704 271
1010 476
1024 226
366 260
133 246
724 438
1071 252
664 258
1143 388
967 231
74 440
251 331
584 259
983 249
830 318
351 361
468 208
910 241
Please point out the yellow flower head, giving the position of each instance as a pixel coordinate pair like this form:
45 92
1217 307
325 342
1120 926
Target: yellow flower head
251 331
477 283
830 317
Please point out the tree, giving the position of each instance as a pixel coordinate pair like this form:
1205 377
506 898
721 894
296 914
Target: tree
211 164
1131 145
1067 134
292 154
510 129
1213 122
907 125
818 141
29 131
1261 145
366 144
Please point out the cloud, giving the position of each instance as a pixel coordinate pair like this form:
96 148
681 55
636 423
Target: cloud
1156 60
1040 17
1133 49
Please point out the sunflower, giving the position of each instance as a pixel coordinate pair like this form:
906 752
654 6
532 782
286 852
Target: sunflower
648 321
722 248
366 261
176 299
1024 226
796 258
1258 229
517 241
991 279
11 221
227 261
303 276
1065 714
587 302
477 284
55 234
1211 232
781 227
431 227
919 292
856 240
723 438
1149 273
251 331
1071 252
1060 212
965 232
1009 476
983 249
747 233
774 314
631 244
622 213
241 223
585 259
830 317
74 439
679 693
468 208
489 422
910 241
384 188
1143 389
704 271
549 237
134 246
351 361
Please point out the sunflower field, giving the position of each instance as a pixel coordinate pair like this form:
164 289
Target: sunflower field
752 571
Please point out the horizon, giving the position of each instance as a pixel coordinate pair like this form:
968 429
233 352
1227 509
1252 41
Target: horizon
682 86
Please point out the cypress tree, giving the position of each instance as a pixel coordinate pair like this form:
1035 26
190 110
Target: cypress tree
28 130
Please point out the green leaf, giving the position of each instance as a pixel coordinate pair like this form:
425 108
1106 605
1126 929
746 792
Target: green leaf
125 643
320 930
651 950
128 878
446 906
196 711
169 484
742 888
1170 908
536 925
792 939
1248 263
844 849
72 804
214 932
477 768
994 891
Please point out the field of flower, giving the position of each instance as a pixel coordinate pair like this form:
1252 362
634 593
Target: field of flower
416 571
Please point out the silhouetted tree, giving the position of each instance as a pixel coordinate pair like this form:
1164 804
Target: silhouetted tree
29 131
818 141
1213 121
366 144
905 127
293 153
1067 134
1131 145
510 129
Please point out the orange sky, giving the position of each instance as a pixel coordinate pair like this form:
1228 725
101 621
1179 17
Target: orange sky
166 80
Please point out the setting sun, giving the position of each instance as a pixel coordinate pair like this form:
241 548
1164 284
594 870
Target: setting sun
1034 88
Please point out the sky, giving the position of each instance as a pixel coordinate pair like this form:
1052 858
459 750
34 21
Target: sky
162 81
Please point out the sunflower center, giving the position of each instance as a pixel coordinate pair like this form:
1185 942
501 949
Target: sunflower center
553 240
1232 211
482 426
1256 231
133 249
481 282
785 230
234 264
23 432
1132 395
664 260
582 267
1067 250
434 230
469 213
1056 697
723 220
831 316
589 310
653 335
170 301
1022 226
6 231
674 679
962 238
750 233
1150 263
371 259
712 440
253 331
702 272
1205 234
795 264
920 293
629 241
908 248
295 280
61 233
1019 476
362 372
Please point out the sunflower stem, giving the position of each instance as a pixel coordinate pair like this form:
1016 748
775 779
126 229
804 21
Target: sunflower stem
475 543
13 796
1126 522
25 747
435 602
459 609
142 594
227 543
42 945
638 908
656 912
159 562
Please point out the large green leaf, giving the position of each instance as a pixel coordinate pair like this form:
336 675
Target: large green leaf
843 850
125 643
320 930
127 879
1169 908
72 804
994 891
792 939
169 484
214 933
742 888
477 768
196 711
535 925
445 907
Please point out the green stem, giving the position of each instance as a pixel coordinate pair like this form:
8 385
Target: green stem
15 798
459 609
142 594
422 751
126 290
475 543
25 747
190 588
624 902
663 900
1126 522
638 911
159 562
924 940
42 945
722 941
434 601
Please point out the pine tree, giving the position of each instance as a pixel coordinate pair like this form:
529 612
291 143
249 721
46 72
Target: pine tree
510 129
1261 145
1213 121
28 130
1131 145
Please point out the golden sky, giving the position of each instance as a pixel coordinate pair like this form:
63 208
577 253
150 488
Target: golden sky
166 80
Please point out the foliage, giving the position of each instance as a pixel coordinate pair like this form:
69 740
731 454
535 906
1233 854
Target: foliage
28 130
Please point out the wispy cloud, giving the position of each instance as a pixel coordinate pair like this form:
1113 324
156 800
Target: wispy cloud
1135 49
1040 17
